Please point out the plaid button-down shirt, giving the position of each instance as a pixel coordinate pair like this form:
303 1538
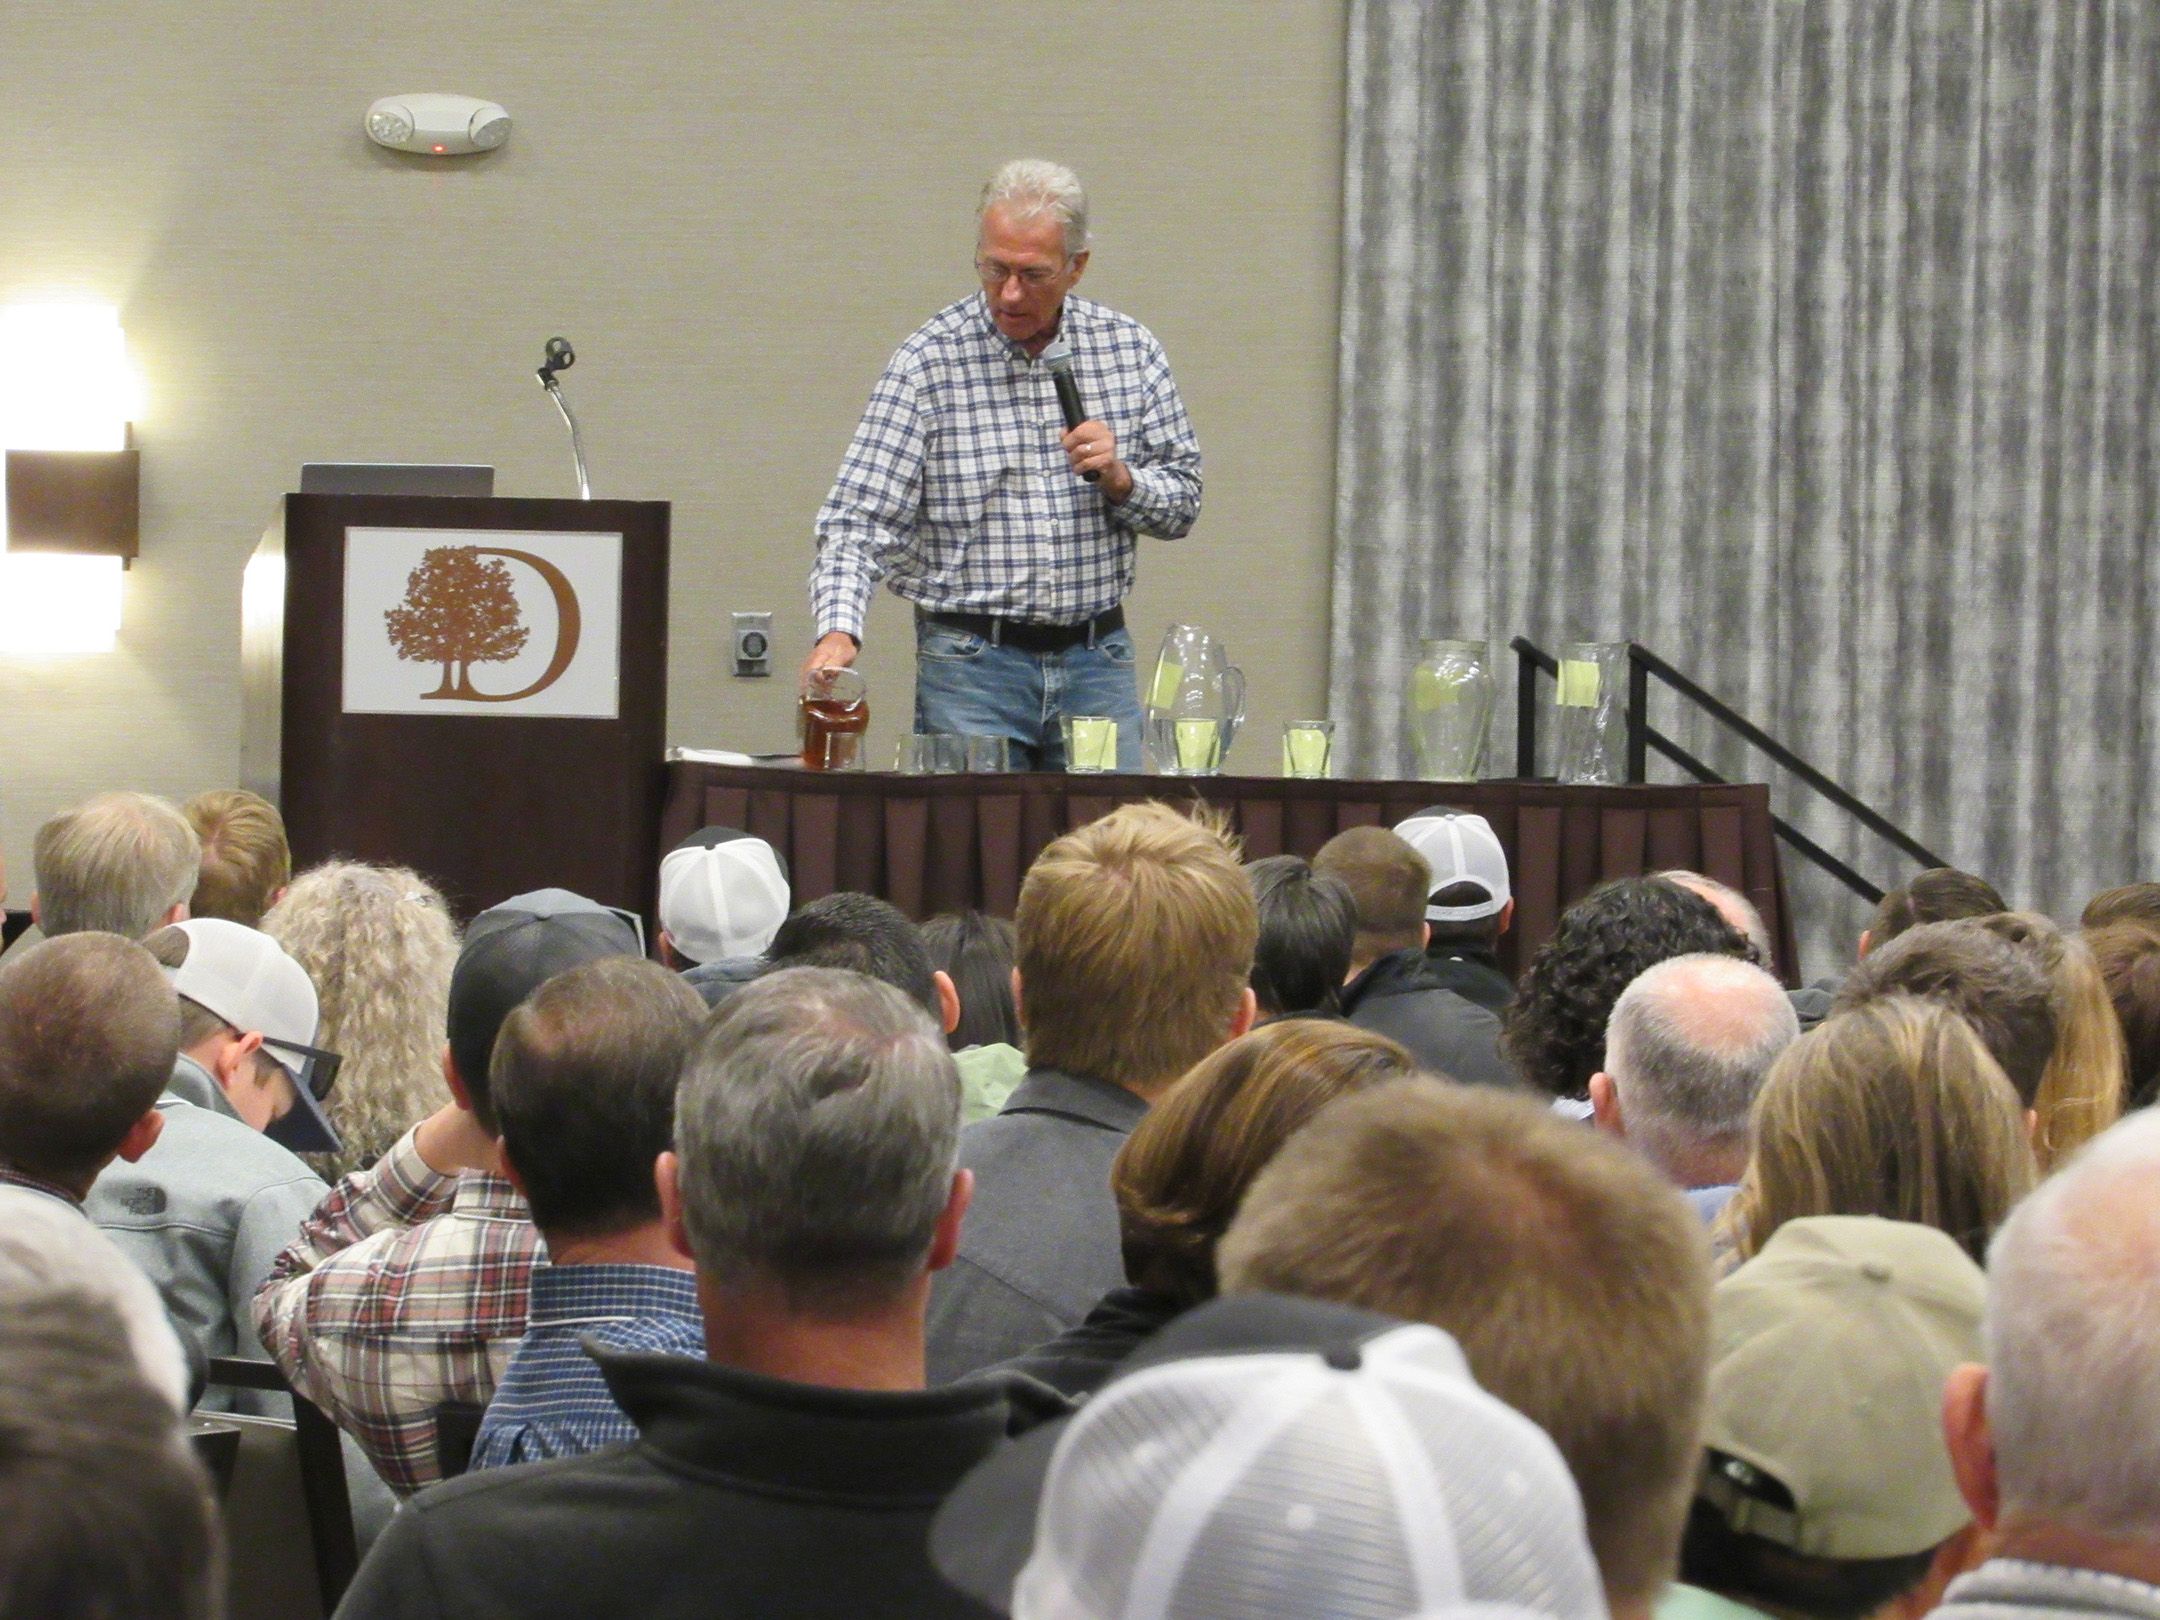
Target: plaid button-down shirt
957 490
553 1402
405 1289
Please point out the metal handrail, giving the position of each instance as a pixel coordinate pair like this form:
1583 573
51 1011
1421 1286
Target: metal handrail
1642 737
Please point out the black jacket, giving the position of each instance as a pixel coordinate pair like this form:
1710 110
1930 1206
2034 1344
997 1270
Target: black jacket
744 1496
1399 997
1082 1359
1473 973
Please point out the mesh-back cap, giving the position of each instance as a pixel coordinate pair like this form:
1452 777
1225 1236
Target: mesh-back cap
722 893
1376 1485
1460 848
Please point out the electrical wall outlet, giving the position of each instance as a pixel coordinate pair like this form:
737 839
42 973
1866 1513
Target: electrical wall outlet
753 643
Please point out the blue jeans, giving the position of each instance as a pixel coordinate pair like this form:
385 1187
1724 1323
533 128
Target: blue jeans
969 686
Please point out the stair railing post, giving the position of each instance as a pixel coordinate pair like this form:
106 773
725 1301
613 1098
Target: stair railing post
1525 711
1638 716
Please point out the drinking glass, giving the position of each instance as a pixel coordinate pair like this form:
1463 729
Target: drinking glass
929 753
1091 742
989 755
1306 748
1198 744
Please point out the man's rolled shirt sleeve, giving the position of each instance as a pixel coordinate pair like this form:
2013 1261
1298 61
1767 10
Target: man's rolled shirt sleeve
872 509
1164 462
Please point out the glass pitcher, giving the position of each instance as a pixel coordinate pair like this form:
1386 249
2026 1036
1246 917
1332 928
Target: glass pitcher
1451 703
1195 704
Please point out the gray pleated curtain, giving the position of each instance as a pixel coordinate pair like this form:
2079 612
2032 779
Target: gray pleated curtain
1811 343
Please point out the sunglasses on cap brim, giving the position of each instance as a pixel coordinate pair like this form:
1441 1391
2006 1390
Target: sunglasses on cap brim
309 1066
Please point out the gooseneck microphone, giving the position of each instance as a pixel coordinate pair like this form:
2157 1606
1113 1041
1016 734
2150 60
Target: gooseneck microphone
561 357
1059 358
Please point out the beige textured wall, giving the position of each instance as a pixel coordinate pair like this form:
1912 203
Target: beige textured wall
735 211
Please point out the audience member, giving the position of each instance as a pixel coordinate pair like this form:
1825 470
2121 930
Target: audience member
246 862
1370 1479
2055 1441
1893 1109
1826 1491
2132 902
104 1512
977 953
379 944
796 1471
1182 1173
1555 1028
121 863
583 1085
88 1028
408 1286
1390 989
1136 938
1685 1053
1574 1277
1471 904
723 895
1999 989
1736 908
206 1211
2128 956
1308 930
2082 1088
1940 894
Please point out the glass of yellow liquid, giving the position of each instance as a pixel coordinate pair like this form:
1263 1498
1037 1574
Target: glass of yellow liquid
1307 747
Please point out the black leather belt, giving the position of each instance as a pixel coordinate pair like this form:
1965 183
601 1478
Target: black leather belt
1028 636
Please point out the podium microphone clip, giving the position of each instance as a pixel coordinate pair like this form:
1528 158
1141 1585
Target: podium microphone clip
561 357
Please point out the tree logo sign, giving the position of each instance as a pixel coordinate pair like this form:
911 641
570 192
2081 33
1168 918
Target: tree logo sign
481 622
461 609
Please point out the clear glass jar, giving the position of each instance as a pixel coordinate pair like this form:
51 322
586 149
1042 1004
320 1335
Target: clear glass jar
1451 703
1591 701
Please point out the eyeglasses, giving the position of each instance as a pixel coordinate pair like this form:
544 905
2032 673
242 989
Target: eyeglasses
309 1066
995 274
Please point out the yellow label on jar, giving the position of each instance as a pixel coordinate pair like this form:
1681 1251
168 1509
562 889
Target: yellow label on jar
1578 683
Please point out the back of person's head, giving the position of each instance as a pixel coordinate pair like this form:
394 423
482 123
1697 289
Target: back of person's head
1184 1170
862 934
1471 890
1388 882
1940 894
1827 1490
2131 902
2073 1342
510 951
817 1126
1735 907
1136 937
1308 928
1892 1109
245 858
89 1030
2127 953
2082 1087
115 864
976 952
583 1082
104 1511
1996 986
1575 1278
379 945
1688 1046
1555 1027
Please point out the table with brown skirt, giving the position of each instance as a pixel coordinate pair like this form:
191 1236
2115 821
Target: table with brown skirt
931 844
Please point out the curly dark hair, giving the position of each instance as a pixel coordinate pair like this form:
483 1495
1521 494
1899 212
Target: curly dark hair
1555 1031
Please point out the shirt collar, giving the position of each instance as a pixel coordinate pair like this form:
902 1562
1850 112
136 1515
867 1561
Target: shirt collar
1099 1102
481 1193
38 1184
573 1293
1066 328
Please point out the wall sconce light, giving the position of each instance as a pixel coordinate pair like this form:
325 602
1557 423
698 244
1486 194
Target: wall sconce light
73 477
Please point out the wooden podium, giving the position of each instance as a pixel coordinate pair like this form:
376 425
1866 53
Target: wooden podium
476 689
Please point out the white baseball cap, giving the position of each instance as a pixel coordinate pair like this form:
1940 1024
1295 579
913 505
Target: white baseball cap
1460 848
722 893
244 977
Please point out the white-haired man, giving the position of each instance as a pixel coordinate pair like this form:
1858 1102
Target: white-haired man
2056 1441
1686 1049
121 863
1011 533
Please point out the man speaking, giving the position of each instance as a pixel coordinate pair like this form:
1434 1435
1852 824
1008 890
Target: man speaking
1008 520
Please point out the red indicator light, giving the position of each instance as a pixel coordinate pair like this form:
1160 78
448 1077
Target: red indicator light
438 149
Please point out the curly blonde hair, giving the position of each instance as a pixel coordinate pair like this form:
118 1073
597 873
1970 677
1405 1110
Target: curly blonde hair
379 944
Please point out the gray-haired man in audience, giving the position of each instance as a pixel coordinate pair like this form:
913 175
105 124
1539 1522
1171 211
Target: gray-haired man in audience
121 863
796 1470
1685 1052
2056 1441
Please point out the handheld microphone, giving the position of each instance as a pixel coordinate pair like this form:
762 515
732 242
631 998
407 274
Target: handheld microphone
1059 358
561 357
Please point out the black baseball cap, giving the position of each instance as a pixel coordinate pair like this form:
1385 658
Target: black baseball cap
510 951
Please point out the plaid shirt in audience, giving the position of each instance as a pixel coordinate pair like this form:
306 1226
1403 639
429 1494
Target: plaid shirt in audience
405 1289
956 485
553 1402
